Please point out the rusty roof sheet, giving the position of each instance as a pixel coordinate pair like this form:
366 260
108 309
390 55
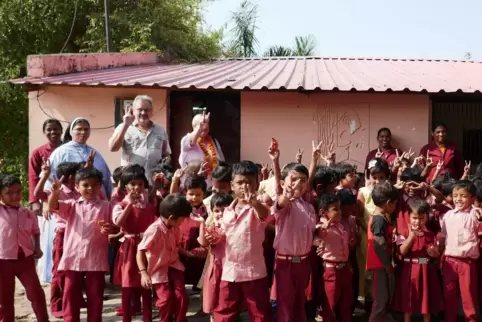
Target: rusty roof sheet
289 73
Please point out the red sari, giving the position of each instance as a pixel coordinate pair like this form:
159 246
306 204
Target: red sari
417 285
35 167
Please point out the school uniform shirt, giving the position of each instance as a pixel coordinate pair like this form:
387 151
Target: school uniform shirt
162 246
17 227
389 156
460 228
85 247
295 225
245 233
450 155
35 168
349 224
334 243
65 194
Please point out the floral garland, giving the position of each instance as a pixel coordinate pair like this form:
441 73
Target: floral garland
209 152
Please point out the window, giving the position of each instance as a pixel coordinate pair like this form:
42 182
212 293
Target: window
121 105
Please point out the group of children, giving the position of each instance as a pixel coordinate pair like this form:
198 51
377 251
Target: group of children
284 245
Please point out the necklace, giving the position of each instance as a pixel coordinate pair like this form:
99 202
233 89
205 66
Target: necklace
209 152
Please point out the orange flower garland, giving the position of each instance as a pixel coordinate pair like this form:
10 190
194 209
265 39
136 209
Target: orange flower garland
209 152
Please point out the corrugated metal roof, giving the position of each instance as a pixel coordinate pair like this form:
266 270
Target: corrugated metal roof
289 73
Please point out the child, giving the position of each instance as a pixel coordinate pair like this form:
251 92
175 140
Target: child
348 208
162 269
378 172
161 178
66 170
295 222
19 247
346 175
444 184
379 251
193 256
134 215
459 239
117 193
85 248
243 280
334 249
417 284
221 180
212 228
325 180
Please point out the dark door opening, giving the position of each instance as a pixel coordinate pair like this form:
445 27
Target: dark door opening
225 123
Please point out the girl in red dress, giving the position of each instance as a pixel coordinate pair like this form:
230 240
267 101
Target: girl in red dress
133 215
418 289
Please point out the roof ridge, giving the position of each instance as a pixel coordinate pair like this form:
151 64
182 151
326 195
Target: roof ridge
352 58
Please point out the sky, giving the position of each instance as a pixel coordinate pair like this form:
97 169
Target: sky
429 29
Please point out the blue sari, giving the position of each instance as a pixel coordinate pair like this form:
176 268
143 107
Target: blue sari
68 152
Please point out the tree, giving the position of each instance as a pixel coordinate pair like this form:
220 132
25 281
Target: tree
244 41
278 51
468 55
170 27
305 45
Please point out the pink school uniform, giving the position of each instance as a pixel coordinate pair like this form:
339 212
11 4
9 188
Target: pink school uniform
17 228
243 279
126 271
337 275
85 253
460 229
295 225
212 278
166 270
417 285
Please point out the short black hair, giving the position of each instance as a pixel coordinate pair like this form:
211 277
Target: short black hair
478 171
8 181
324 201
133 172
383 192
67 170
347 198
222 172
384 129
444 183
195 182
419 206
116 175
245 168
296 167
411 174
478 186
176 206
88 173
467 185
165 169
343 169
221 200
378 165
324 176
439 124
51 121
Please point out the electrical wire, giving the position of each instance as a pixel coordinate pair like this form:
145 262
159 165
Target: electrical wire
72 26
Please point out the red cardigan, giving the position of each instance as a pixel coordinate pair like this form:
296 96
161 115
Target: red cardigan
452 158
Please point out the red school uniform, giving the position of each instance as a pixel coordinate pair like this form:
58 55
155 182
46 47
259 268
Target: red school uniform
417 283
126 271
189 233
453 161
268 249
17 228
166 270
212 278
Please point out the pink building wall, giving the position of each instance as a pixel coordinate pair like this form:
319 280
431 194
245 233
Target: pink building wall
349 121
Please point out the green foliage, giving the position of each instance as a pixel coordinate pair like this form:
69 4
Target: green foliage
171 27
305 45
278 51
244 41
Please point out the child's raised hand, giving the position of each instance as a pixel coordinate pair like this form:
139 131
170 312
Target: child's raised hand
316 153
57 184
418 161
397 163
45 167
288 190
330 158
249 196
180 173
203 170
197 218
467 167
264 170
90 160
273 150
379 153
399 185
408 155
299 155
146 280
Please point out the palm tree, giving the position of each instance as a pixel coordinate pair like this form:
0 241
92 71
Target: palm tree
244 41
278 51
305 45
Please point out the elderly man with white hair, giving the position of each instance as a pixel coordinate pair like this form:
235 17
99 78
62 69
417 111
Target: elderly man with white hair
142 141
199 145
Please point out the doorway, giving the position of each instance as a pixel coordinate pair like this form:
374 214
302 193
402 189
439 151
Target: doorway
225 120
